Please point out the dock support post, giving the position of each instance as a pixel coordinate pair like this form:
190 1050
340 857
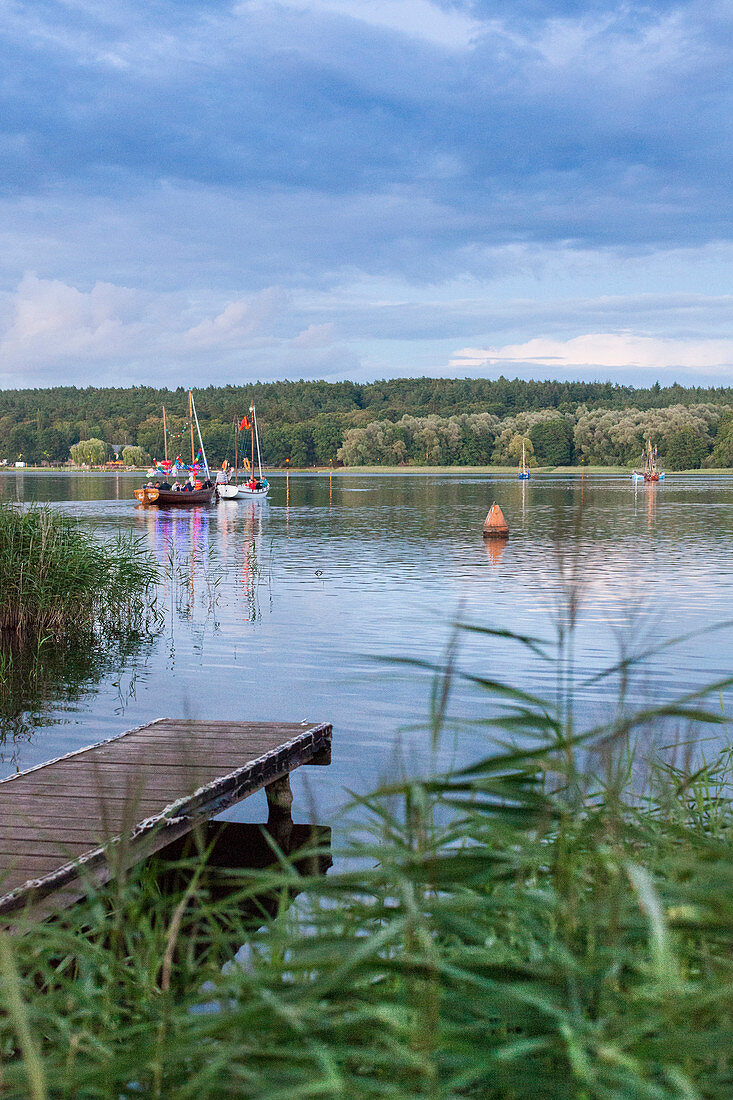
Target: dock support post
279 803
279 795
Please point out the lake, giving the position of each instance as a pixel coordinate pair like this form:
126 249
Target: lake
296 608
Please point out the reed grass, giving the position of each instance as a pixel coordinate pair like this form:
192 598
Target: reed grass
56 576
541 923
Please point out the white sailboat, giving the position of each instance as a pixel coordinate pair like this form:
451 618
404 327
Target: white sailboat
523 473
256 486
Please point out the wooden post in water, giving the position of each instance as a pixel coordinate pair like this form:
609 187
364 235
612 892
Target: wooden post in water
279 805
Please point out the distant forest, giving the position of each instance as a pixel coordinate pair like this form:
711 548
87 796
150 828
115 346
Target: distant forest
411 421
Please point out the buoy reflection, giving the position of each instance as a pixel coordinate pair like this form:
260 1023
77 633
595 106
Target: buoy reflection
494 550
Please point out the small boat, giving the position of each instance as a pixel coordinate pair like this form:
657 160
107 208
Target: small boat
523 474
256 486
652 471
230 490
181 498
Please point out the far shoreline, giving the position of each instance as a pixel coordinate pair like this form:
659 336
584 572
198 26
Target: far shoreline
411 471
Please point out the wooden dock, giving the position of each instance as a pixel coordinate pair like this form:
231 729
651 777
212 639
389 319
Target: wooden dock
73 823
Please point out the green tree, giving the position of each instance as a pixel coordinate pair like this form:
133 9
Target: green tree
89 452
53 444
219 441
134 456
302 446
553 442
723 450
515 449
327 438
684 449
150 437
277 445
22 441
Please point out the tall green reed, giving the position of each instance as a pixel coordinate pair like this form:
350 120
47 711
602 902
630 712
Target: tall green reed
55 575
536 923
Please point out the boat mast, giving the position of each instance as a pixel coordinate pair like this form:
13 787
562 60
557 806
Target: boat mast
252 425
236 433
190 423
165 436
198 429
257 437
524 465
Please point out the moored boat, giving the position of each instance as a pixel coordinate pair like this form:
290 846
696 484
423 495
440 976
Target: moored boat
523 474
652 471
181 497
257 486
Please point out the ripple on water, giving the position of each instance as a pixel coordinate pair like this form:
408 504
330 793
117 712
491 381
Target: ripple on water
287 609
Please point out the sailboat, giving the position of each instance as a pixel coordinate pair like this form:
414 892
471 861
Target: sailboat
150 494
652 470
256 486
523 473
231 490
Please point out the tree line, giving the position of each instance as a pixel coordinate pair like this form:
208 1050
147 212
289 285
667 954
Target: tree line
414 421
687 437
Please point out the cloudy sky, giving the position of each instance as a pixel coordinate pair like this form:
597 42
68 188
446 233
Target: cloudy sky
197 191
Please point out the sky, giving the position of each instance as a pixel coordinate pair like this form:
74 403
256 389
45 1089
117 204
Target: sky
204 192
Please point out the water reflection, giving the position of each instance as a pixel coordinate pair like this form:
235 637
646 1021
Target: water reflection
231 849
495 550
43 680
282 611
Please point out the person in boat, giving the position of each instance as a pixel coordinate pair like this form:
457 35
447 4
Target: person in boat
221 477
208 484
164 486
176 487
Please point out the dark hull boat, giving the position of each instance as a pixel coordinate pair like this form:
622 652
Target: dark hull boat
183 499
180 498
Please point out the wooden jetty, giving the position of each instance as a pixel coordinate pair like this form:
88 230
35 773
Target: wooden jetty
75 822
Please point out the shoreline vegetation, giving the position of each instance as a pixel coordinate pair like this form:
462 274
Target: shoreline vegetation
555 920
621 471
70 604
56 576
420 422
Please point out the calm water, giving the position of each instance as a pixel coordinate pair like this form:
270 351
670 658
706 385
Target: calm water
284 610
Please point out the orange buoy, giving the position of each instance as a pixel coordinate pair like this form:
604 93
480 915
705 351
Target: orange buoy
495 526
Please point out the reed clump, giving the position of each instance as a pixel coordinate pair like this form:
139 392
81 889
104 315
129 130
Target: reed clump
551 921
58 577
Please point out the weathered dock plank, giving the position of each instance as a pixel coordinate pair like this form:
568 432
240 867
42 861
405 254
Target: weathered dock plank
71 823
